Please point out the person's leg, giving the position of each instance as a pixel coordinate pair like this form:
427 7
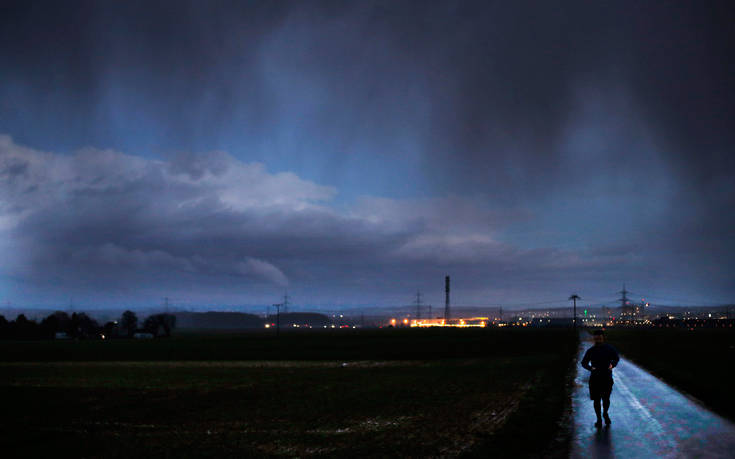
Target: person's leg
605 407
595 396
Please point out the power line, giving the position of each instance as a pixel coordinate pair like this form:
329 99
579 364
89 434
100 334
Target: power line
682 301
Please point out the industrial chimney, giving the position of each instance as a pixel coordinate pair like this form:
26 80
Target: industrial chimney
446 301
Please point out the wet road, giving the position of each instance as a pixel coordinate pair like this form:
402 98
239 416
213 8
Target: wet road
649 419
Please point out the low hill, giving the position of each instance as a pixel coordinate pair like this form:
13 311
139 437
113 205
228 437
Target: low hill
218 320
312 319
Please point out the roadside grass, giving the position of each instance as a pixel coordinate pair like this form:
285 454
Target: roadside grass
699 362
370 394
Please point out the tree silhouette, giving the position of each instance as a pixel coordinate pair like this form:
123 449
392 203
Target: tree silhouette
129 323
83 326
24 329
4 327
160 324
59 321
110 329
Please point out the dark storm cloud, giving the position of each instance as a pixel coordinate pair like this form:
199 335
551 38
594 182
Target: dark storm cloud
586 141
499 81
520 73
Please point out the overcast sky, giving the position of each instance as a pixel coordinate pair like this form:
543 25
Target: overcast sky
354 152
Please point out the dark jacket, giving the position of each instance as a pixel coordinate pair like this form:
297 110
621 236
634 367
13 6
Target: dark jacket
599 357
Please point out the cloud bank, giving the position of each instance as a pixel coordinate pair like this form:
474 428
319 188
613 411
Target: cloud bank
102 224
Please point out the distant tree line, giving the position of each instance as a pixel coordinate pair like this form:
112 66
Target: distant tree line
79 325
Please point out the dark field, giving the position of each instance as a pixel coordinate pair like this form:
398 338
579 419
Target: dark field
387 393
700 362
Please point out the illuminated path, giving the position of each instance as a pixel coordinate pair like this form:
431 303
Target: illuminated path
649 419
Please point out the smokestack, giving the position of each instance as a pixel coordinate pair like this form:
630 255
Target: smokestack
446 301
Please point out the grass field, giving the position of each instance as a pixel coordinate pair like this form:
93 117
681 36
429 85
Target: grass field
380 393
699 362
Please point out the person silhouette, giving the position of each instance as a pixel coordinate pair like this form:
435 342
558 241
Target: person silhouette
599 360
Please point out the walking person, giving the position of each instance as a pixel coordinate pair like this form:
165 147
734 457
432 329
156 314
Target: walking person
599 360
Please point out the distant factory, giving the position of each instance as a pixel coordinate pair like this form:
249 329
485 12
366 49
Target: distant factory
471 322
445 321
